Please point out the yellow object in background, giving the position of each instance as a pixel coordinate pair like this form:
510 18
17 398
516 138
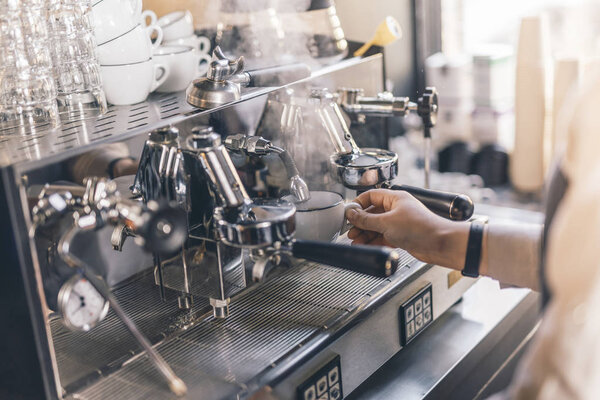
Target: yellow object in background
387 32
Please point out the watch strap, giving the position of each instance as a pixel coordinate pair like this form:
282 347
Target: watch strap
473 258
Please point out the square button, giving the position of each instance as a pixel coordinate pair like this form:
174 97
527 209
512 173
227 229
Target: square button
409 313
419 321
335 393
321 386
418 306
310 393
410 329
333 376
426 299
426 315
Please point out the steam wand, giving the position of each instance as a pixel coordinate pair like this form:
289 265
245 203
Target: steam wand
258 146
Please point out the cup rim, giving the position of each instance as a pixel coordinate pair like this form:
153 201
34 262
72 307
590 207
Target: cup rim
341 200
182 15
120 36
126 64
181 49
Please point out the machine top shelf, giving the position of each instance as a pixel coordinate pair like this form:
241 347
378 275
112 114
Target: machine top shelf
37 148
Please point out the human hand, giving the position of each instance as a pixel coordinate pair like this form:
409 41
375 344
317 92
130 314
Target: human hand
397 219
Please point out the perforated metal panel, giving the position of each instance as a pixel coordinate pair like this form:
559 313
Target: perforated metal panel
266 323
125 121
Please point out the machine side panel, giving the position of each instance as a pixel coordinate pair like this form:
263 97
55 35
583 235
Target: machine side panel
23 337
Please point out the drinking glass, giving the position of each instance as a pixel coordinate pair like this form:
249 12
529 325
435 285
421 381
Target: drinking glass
76 69
27 87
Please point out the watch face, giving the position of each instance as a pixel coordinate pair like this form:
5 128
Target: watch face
81 305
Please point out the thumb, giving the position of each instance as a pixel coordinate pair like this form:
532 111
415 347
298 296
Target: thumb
366 221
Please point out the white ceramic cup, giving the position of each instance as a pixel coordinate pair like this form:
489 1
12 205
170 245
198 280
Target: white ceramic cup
184 65
112 18
132 83
176 25
131 47
323 217
201 47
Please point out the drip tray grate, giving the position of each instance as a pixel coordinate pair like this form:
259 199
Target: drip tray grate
266 322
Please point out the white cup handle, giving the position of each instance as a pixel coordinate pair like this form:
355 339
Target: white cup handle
148 13
159 35
203 44
202 62
346 225
161 73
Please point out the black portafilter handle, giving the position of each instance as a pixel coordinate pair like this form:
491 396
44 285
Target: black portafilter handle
370 260
278 75
454 206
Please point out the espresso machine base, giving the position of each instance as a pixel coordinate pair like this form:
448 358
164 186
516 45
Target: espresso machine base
278 335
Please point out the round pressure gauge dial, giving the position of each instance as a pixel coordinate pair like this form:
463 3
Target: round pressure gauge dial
80 304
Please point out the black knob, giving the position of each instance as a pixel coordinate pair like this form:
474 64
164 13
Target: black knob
427 107
166 229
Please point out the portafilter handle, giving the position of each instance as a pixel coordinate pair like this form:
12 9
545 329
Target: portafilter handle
370 260
453 206
274 76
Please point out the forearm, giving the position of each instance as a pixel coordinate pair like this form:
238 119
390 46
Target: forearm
510 253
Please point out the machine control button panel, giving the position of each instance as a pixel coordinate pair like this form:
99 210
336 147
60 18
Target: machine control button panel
415 314
325 384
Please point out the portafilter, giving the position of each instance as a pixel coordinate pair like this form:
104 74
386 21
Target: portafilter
363 169
269 225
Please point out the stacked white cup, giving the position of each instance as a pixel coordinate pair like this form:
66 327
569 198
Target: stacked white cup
126 52
186 54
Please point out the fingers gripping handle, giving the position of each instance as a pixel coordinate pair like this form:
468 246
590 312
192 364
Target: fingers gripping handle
454 206
370 260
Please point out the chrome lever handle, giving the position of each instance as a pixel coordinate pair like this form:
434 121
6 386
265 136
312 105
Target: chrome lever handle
222 68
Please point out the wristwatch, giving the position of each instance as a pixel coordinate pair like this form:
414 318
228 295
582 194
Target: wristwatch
473 258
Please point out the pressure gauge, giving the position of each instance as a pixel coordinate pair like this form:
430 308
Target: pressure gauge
80 304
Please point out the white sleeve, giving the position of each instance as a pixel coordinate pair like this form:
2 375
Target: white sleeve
513 253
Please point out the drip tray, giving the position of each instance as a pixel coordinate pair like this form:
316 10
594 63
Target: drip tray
218 357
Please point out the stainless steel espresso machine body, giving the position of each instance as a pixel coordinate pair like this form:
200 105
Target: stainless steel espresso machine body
193 282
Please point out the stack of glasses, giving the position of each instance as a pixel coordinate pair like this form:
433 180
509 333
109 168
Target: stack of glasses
76 69
27 87
48 66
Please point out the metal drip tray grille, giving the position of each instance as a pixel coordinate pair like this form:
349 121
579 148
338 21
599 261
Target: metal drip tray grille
119 120
84 355
266 323
203 277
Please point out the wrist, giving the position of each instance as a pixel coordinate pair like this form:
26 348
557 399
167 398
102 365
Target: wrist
450 244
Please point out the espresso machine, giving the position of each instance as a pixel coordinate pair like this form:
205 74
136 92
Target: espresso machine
215 296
